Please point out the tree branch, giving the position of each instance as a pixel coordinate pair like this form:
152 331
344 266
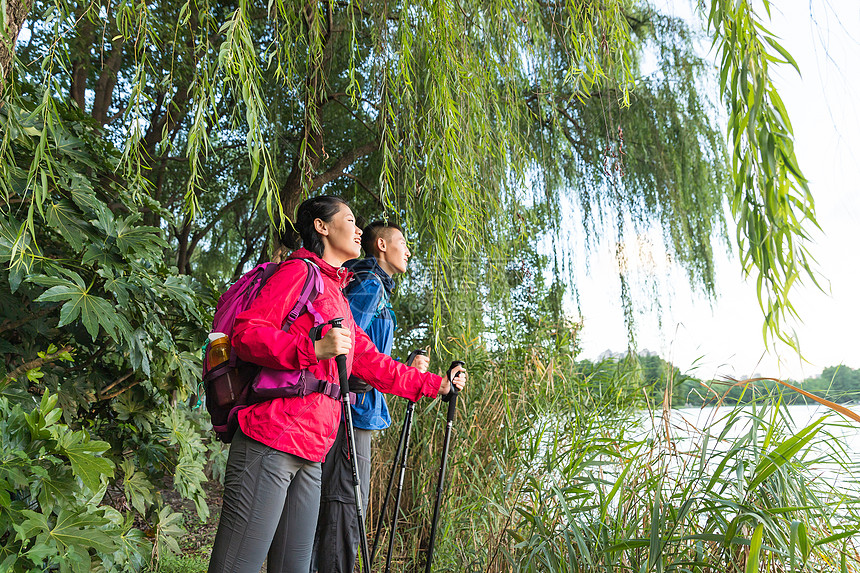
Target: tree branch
13 324
366 188
15 15
114 383
205 230
81 62
107 81
353 114
118 392
340 166
35 363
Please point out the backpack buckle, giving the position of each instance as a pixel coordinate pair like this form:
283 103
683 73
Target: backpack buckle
330 389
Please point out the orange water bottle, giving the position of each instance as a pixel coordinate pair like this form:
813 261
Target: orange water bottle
219 349
224 385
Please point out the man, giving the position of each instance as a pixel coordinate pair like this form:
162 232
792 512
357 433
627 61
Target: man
337 537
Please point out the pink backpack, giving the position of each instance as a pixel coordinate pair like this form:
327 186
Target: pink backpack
236 384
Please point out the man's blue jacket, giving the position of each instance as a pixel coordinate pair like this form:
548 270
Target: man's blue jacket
368 295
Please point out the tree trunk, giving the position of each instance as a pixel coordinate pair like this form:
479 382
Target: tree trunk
312 151
16 15
81 61
107 82
183 254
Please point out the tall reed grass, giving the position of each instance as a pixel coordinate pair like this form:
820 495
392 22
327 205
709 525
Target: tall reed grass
555 470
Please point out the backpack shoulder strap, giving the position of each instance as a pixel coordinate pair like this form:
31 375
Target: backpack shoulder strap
313 287
384 300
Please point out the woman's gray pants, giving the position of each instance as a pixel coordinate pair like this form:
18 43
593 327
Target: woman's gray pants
271 502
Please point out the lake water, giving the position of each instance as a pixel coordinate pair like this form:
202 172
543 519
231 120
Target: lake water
838 439
691 420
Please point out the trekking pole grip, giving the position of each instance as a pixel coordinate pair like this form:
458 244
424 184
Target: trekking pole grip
452 393
413 354
451 396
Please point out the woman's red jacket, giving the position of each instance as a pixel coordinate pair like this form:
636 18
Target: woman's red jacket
306 426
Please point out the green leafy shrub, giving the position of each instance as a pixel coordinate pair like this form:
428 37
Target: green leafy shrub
97 326
53 481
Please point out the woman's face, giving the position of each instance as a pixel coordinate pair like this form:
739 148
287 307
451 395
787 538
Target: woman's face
341 237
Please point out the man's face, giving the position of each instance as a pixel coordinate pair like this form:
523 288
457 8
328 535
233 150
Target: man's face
393 250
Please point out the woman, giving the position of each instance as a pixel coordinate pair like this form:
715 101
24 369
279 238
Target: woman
272 483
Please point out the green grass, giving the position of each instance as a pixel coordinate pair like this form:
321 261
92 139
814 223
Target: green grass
190 563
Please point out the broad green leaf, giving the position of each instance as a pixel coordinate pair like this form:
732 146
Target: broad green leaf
188 476
117 284
63 217
138 489
57 489
42 551
76 528
137 240
177 289
138 351
86 463
82 193
75 148
134 547
99 253
34 524
76 559
94 311
169 528
188 365
47 281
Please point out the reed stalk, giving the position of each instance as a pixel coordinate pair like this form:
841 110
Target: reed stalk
555 470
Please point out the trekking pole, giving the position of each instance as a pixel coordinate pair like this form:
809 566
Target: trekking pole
400 457
451 398
340 360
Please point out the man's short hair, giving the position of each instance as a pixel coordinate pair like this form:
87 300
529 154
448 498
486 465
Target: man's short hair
374 231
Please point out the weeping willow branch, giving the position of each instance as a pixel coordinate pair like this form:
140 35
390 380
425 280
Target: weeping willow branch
771 202
479 111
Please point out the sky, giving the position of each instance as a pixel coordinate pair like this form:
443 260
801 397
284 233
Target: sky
724 338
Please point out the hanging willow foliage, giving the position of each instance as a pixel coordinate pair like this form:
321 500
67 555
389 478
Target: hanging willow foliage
476 122
771 199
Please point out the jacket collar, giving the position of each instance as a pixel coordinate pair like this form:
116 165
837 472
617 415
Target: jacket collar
340 275
370 264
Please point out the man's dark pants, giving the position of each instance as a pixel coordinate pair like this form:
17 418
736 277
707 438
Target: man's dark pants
336 543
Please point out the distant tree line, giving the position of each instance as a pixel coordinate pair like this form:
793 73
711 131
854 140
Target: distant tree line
650 375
